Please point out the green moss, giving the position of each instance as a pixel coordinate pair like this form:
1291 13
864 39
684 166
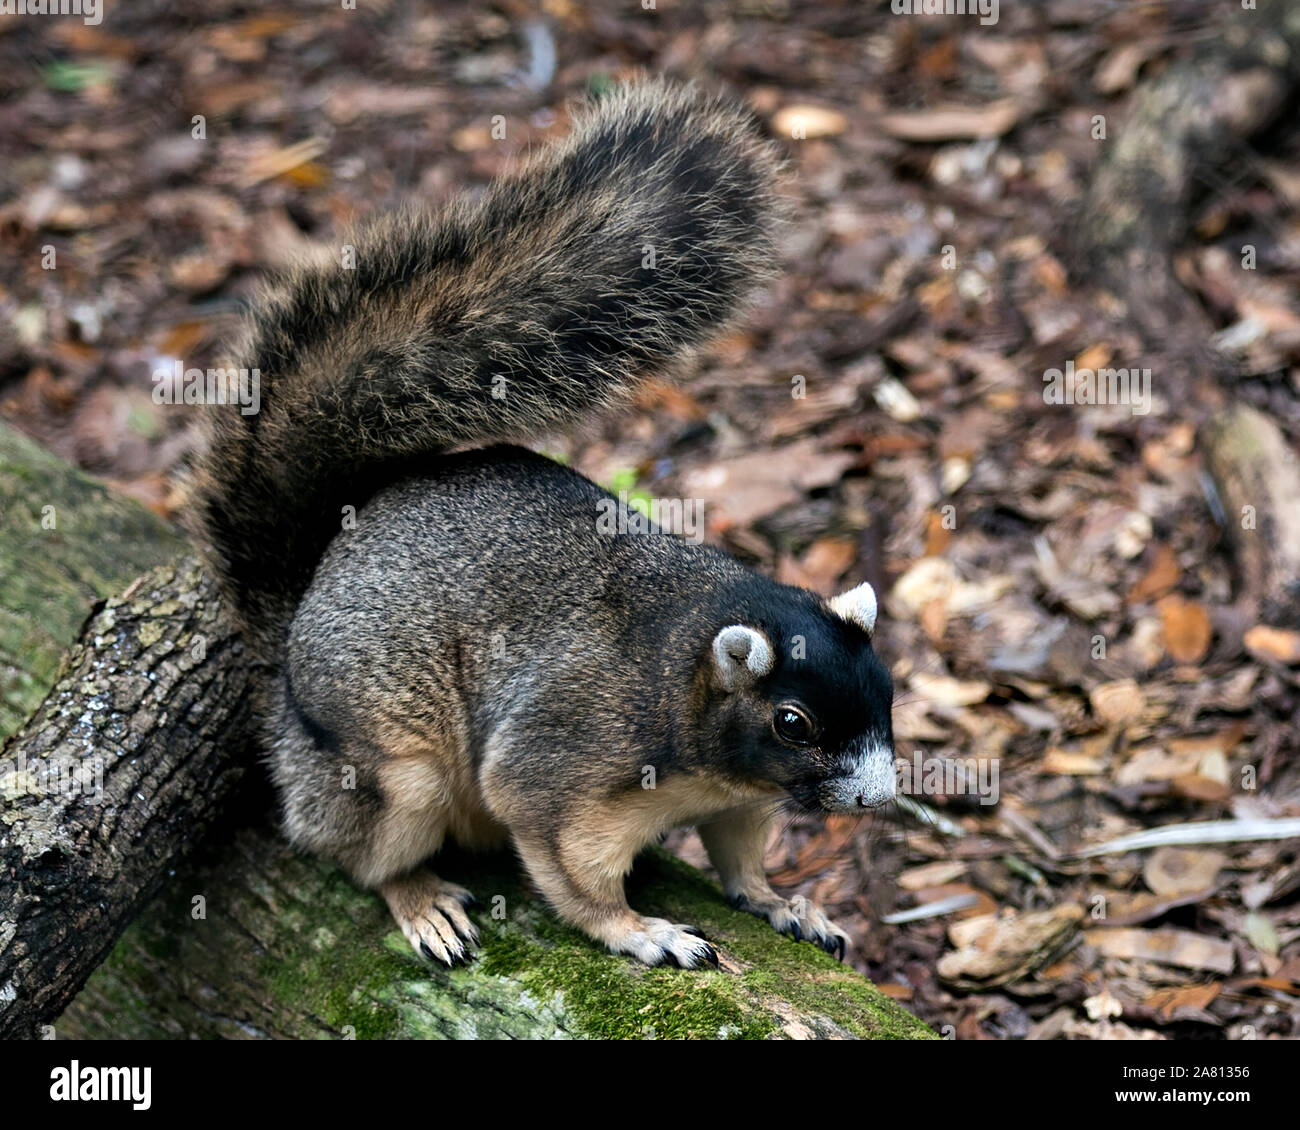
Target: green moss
291 948
49 577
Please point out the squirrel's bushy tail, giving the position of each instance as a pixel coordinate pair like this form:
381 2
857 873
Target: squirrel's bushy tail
495 319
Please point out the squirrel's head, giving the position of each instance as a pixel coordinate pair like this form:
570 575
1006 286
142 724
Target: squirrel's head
801 701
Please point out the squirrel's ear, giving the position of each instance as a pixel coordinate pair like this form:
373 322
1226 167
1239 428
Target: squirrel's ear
858 606
741 655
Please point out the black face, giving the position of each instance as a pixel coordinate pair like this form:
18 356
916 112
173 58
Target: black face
818 724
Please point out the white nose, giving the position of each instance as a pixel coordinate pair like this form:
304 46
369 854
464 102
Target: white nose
877 798
872 782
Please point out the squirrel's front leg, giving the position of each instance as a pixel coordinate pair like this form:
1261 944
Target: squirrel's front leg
581 875
736 842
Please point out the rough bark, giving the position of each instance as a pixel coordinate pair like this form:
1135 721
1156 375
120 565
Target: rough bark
278 945
121 767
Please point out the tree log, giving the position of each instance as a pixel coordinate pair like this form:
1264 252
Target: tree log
149 713
288 948
133 748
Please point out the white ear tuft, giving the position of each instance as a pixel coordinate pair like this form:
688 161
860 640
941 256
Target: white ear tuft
741 655
858 606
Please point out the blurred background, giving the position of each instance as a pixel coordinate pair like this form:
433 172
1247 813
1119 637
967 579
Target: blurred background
1068 594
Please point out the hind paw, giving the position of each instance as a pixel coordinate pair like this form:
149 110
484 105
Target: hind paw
431 914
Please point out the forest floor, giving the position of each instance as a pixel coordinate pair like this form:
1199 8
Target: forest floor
1059 601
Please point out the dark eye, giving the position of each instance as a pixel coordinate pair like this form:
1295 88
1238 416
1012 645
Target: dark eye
792 725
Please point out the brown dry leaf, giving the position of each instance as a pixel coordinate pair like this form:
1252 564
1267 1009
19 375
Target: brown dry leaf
939 61
1151 763
182 339
912 722
245 41
1177 872
1094 356
1118 70
91 39
1126 909
277 162
1198 786
938 535
198 273
935 579
1071 764
819 852
1278 645
42 387
931 874
944 690
953 123
1218 745
994 950
1187 628
752 486
1118 703
677 402
1276 983
1197 997
807 121
1167 946
1162 576
934 620
75 352
1051 274
310 174
821 566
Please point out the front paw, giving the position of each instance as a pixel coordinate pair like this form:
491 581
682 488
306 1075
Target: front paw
656 941
797 917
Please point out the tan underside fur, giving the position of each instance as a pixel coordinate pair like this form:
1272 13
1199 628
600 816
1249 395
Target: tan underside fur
428 797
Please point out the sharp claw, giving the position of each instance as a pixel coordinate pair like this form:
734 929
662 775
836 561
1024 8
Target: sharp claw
428 951
693 931
711 956
795 931
842 947
470 899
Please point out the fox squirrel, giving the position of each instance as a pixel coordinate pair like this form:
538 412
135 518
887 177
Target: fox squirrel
473 657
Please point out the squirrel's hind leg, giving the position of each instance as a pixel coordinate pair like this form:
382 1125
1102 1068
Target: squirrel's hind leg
381 803
431 913
419 810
